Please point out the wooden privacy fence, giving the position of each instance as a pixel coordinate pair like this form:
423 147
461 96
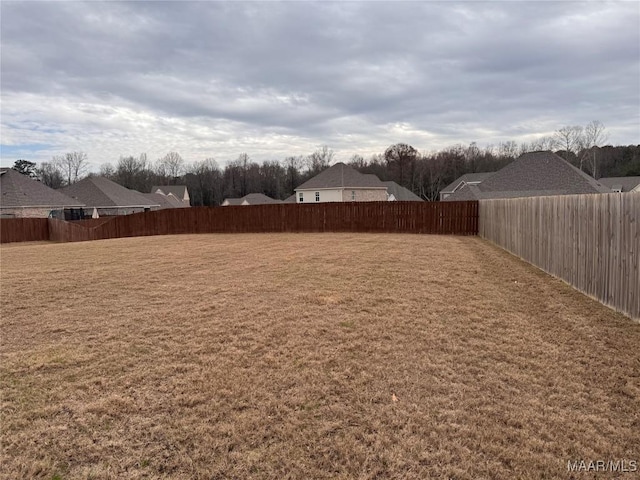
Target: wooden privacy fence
23 230
590 241
458 218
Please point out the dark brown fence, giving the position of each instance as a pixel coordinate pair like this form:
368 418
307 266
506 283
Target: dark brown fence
23 230
92 222
457 218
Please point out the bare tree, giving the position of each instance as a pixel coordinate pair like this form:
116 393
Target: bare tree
293 166
508 149
358 162
73 165
171 165
134 173
49 174
204 181
568 139
243 162
320 159
107 170
542 144
593 136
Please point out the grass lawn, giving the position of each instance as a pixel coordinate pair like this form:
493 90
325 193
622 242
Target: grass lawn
306 356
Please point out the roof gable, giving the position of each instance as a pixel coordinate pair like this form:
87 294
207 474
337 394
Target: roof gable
341 176
18 190
467 178
102 192
251 199
258 199
165 201
179 191
400 193
626 184
541 171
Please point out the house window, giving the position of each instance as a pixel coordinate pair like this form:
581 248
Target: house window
317 196
353 195
301 198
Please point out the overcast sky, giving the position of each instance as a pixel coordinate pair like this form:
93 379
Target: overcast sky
216 79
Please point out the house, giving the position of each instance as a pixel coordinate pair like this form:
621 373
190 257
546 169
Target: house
466 179
165 201
178 191
341 183
621 184
108 197
397 193
22 196
250 199
531 175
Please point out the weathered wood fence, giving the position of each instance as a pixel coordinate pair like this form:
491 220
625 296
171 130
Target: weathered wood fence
457 218
23 230
590 241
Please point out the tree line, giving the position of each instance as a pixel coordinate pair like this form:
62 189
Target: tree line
425 174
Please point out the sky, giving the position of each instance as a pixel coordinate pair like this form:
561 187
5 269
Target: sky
273 79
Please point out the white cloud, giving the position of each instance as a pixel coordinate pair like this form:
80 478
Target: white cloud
277 79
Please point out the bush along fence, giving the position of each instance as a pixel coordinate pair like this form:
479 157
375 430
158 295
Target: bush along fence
457 218
590 241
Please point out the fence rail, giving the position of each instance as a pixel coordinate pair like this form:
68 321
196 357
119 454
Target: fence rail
458 218
590 241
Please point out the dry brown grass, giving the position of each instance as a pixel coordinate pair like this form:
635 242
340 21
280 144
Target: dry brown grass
278 356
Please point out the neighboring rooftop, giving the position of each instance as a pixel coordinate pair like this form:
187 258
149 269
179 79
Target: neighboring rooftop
18 190
179 191
400 193
341 176
100 192
621 184
165 201
467 178
531 175
250 199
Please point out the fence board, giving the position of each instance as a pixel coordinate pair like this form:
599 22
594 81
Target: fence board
23 230
590 241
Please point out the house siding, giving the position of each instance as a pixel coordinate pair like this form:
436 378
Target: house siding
36 212
333 195
364 195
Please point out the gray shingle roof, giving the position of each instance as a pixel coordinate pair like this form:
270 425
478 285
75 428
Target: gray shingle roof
232 201
165 201
18 190
466 178
102 192
259 199
625 183
178 190
531 175
341 176
252 199
400 193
